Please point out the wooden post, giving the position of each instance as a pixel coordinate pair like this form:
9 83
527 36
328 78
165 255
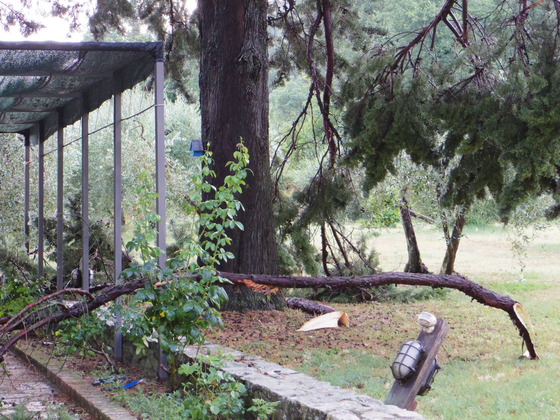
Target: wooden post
403 394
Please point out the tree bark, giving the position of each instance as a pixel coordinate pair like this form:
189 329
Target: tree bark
448 265
414 264
309 306
234 108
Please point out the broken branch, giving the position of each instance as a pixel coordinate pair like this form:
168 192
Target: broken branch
477 292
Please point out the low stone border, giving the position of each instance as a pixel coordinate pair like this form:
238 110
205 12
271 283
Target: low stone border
301 396
73 385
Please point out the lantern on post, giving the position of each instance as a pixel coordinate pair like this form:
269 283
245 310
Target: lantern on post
415 365
408 357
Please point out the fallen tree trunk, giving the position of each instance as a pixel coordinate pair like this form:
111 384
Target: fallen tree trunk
40 314
474 290
309 306
477 292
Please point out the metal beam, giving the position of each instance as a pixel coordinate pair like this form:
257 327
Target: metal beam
85 200
160 162
117 221
160 185
41 210
26 189
154 47
60 205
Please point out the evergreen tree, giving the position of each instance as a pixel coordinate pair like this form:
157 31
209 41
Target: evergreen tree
469 82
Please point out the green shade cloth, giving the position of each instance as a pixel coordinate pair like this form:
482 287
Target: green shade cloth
40 80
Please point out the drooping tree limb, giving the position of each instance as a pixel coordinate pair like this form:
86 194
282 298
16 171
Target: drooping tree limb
402 58
327 90
109 294
339 244
414 264
346 242
292 135
475 291
324 250
453 241
283 11
323 86
557 9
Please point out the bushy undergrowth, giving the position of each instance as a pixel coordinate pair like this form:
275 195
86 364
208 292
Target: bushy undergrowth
207 393
17 289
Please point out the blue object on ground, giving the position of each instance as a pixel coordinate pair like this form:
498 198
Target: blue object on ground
132 384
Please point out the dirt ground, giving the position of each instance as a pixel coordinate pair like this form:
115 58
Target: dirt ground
88 367
273 335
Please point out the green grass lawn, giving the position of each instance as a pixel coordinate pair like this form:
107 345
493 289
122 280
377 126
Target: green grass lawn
482 376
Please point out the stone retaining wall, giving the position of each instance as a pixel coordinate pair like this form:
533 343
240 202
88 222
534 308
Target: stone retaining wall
300 396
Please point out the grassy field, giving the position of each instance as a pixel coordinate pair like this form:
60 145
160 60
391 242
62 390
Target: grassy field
482 376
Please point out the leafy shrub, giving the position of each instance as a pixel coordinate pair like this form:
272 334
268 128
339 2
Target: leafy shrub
84 335
214 393
16 290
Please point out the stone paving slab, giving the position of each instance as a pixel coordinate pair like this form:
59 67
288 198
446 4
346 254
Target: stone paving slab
21 385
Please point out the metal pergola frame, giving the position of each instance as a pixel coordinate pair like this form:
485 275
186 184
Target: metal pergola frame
139 62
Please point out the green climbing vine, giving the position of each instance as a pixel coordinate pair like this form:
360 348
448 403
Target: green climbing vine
183 298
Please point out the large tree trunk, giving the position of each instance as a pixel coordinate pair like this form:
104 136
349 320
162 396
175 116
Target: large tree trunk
234 107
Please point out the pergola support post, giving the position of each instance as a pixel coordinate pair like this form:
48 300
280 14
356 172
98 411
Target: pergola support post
41 205
85 199
117 221
26 189
60 206
160 185
160 163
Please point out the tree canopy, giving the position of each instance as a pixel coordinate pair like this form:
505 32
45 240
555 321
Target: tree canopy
466 87
486 96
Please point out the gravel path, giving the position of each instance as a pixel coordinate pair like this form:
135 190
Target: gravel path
21 385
